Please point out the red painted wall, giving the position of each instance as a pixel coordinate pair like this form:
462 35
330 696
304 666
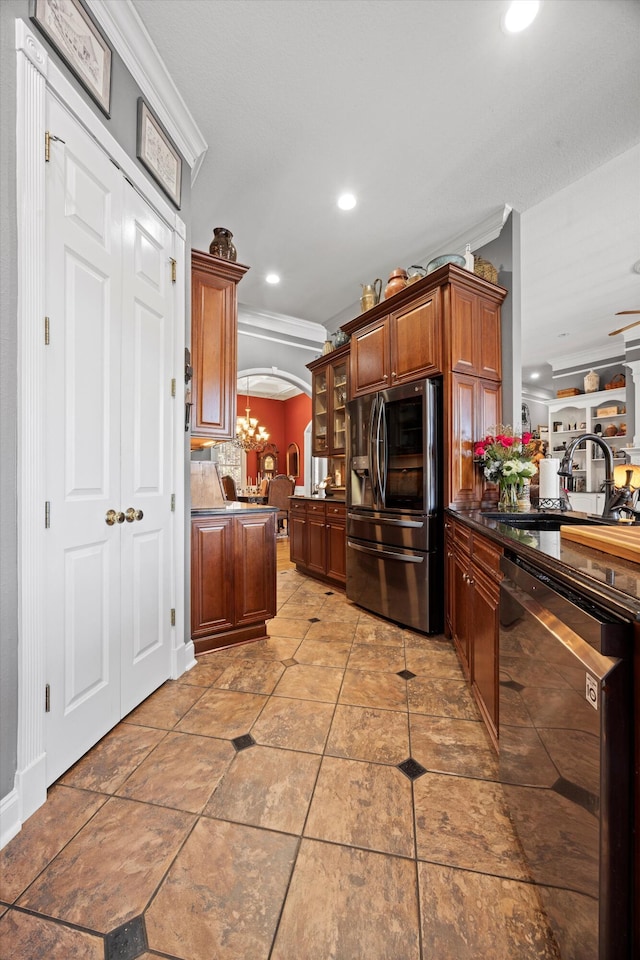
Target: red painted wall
285 420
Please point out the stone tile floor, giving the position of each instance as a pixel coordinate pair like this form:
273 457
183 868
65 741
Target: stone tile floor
255 809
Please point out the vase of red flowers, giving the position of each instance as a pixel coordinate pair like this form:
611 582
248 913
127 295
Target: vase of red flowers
506 459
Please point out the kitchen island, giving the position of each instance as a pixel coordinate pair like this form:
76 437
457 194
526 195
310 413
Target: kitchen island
515 692
233 574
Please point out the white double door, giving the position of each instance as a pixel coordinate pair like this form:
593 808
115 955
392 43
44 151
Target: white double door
109 418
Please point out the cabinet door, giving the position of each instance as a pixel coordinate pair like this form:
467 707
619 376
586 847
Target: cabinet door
255 567
214 335
212 557
484 653
316 538
415 339
460 601
449 611
462 479
474 330
338 407
370 360
298 533
320 421
336 566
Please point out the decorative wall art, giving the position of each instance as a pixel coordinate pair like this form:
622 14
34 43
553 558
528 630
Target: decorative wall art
70 29
160 157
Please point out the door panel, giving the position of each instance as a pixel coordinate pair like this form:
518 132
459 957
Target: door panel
146 452
84 255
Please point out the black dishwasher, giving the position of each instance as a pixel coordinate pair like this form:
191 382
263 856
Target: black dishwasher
565 756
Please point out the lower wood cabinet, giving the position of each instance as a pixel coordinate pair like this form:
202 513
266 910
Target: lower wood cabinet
317 538
233 578
473 596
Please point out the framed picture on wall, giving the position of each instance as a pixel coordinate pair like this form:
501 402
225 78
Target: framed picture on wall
78 40
156 151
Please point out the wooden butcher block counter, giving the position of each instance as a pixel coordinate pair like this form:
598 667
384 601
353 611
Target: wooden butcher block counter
618 541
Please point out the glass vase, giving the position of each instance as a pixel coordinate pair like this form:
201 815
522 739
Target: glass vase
508 497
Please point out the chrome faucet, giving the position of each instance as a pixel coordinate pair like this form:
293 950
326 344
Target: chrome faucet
611 502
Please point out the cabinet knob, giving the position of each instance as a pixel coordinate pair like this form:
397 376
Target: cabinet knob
113 516
470 581
130 515
393 374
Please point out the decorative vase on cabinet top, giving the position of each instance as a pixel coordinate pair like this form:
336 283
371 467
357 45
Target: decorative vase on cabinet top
591 382
370 294
222 245
397 281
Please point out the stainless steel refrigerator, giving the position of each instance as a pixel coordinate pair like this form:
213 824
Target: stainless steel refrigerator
394 504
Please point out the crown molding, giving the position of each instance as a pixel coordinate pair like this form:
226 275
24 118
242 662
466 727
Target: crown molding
591 359
279 323
130 39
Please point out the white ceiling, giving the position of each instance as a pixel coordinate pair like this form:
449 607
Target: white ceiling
424 109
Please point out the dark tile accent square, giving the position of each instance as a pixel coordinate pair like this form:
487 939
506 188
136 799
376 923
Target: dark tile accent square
406 674
289 663
241 743
411 768
314 619
578 795
512 685
328 593
126 942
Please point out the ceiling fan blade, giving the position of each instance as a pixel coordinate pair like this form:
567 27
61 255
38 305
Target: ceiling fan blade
628 325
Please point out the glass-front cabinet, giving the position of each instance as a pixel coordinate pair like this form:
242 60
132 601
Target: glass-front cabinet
330 386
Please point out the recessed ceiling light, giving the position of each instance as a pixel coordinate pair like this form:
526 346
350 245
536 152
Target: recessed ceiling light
534 376
520 15
347 201
272 278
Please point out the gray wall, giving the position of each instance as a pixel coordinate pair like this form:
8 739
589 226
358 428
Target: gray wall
122 126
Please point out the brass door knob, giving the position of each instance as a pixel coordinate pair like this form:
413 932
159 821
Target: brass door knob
131 515
113 516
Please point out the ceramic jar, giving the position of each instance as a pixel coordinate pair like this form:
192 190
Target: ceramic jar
397 281
222 245
591 382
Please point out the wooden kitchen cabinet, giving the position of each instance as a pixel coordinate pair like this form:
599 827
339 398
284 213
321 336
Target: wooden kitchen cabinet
214 335
330 390
474 333
473 594
404 345
317 538
233 577
473 405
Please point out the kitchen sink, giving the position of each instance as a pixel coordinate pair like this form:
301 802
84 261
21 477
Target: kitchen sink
544 521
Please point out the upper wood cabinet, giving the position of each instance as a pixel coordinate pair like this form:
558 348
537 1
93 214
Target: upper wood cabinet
330 388
214 335
473 405
404 345
474 333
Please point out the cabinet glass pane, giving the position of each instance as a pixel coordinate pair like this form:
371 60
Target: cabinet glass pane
320 410
339 398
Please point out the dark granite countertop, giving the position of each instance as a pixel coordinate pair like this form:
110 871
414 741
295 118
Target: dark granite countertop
609 581
233 507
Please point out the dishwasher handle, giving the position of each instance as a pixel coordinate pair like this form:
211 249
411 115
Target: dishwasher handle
513 599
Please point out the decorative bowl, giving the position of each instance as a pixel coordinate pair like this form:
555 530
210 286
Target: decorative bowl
453 258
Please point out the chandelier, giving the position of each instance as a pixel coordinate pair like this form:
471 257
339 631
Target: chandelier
250 436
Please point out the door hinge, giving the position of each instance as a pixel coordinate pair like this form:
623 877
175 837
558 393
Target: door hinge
46 331
47 145
47 698
174 274
47 514
173 386
173 502
173 616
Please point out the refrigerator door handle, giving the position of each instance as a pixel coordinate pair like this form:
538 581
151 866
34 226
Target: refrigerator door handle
382 441
403 557
386 521
373 446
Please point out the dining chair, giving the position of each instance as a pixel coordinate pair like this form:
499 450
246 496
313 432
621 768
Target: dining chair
280 489
229 487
